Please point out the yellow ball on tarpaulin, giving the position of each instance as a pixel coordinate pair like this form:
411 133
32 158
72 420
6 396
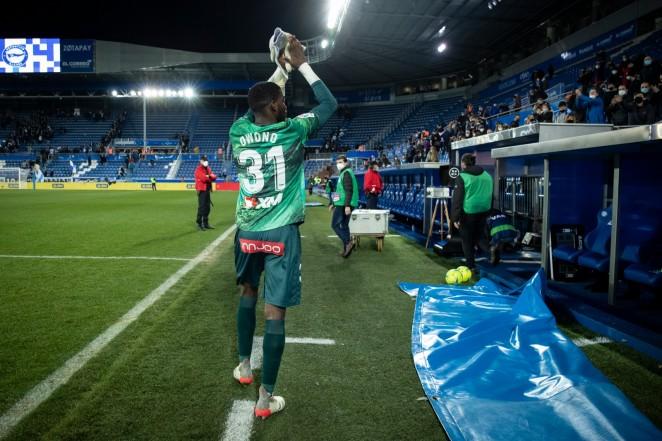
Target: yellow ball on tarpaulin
453 277
465 272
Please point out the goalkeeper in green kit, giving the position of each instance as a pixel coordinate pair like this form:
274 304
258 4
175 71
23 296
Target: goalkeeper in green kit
268 149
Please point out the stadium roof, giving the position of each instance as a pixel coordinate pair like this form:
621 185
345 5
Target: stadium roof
381 41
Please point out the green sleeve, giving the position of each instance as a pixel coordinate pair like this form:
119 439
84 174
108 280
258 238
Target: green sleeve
327 102
308 123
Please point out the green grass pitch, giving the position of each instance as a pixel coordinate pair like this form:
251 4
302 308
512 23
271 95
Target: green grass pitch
168 375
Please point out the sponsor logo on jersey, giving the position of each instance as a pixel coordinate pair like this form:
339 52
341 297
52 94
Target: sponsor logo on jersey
307 115
252 202
261 246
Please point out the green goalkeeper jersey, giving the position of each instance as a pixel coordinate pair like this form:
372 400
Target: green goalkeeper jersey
270 168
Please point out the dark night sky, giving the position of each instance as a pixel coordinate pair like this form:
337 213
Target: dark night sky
204 26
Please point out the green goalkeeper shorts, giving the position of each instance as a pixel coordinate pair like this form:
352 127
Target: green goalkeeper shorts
277 252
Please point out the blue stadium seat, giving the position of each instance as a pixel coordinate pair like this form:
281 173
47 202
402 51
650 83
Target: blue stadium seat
596 245
644 274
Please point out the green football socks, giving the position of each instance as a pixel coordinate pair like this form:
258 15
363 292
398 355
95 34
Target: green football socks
246 326
274 343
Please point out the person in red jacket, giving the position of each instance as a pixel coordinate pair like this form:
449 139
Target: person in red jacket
372 185
204 178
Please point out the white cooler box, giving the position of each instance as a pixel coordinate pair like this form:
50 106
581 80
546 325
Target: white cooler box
368 222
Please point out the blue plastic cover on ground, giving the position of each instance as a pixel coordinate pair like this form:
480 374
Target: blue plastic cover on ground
496 367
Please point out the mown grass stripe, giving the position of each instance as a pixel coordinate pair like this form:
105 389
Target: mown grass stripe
183 259
42 391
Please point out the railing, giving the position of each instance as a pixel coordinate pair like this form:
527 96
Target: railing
172 173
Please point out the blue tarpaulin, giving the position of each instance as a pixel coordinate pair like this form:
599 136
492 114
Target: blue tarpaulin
495 367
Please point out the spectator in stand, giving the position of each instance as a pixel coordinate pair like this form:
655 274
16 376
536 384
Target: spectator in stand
545 114
642 112
650 93
613 77
598 75
619 107
515 122
372 185
592 105
627 72
563 113
517 102
650 71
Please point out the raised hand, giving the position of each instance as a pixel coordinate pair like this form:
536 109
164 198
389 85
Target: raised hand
296 55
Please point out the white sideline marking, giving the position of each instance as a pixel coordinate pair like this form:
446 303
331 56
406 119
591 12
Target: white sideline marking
239 424
97 257
310 341
256 352
581 341
43 390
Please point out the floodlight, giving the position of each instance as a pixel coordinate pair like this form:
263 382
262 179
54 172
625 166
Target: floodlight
336 8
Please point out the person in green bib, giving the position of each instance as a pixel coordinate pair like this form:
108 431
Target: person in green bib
153 181
471 204
268 150
345 198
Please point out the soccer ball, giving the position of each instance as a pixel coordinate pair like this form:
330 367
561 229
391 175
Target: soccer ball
465 273
453 277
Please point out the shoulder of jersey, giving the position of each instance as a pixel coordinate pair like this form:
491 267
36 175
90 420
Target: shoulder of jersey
306 115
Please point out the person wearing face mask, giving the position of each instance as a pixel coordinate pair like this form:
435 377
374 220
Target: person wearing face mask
598 75
204 179
619 106
545 114
345 199
593 105
613 77
650 71
562 115
372 184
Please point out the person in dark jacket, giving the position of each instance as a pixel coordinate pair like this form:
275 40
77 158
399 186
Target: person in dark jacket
617 111
650 70
471 203
345 198
642 112
204 179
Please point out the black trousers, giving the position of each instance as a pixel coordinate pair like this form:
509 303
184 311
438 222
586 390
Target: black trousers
204 205
473 232
372 199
